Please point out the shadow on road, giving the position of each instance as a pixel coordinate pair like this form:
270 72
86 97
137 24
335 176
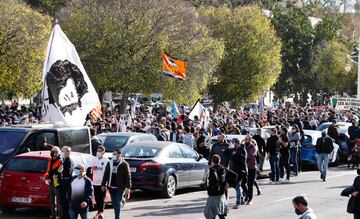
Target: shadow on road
192 207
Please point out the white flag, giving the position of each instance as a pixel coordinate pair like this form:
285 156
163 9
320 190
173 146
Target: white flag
197 110
68 95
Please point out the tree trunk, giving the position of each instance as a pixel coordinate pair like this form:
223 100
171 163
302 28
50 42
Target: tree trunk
124 103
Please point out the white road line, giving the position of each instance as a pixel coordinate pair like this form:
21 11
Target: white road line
287 198
343 174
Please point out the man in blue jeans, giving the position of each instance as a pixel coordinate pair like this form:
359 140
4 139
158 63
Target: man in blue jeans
80 193
324 146
272 149
117 178
238 165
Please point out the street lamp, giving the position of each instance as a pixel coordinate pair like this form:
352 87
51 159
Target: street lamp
348 68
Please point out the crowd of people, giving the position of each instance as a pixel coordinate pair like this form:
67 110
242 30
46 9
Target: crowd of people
244 157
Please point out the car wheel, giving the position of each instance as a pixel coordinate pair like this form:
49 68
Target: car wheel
169 187
8 210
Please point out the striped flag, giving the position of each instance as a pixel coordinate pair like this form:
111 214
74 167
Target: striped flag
174 67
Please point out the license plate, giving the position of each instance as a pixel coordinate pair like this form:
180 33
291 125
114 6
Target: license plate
133 169
21 200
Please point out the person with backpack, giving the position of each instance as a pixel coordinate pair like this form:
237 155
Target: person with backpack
324 146
216 204
272 150
238 165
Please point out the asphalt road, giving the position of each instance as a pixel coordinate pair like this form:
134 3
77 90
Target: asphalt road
275 201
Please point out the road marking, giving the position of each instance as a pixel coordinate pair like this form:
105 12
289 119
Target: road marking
343 174
287 198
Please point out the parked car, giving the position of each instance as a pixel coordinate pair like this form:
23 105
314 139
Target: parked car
343 130
164 166
118 140
343 126
22 181
21 139
308 153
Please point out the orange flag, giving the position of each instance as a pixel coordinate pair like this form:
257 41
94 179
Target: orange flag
174 67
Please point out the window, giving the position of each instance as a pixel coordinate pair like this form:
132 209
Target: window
28 165
188 152
113 142
80 141
143 151
175 152
65 138
80 137
38 143
9 141
307 139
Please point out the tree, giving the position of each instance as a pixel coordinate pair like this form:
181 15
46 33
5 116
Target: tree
23 37
120 44
294 28
301 41
252 61
50 7
330 68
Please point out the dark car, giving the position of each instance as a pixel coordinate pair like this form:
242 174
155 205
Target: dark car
164 166
22 139
118 140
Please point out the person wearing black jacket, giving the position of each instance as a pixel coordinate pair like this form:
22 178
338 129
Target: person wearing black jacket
324 146
65 170
284 154
238 165
353 206
216 204
272 150
95 142
333 131
221 148
80 193
117 178
261 148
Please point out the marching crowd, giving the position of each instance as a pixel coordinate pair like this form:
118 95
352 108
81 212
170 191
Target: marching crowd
244 157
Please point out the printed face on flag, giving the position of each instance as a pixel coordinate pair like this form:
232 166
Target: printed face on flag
68 96
66 86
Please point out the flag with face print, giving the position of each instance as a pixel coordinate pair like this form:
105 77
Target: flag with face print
68 96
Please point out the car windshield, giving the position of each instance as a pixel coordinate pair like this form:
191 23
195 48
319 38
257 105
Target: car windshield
28 165
323 126
113 142
9 140
140 152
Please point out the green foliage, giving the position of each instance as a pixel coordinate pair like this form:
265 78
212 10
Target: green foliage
23 37
330 68
252 61
297 34
120 44
50 7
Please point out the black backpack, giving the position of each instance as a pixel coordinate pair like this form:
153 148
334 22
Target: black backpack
216 179
231 178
